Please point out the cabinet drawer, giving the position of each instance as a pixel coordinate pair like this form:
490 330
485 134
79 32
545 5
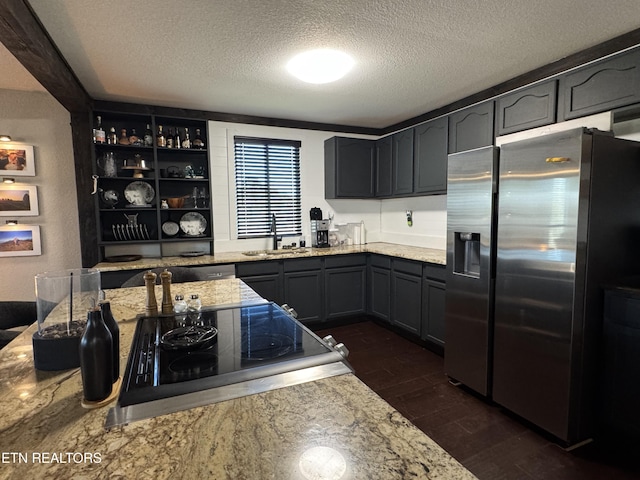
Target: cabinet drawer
407 266
256 268
435 272
345 261
381 261
302 264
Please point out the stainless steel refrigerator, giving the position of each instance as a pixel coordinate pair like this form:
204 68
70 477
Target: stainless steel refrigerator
524 282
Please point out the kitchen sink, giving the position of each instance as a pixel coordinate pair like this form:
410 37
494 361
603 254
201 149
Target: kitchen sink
267 253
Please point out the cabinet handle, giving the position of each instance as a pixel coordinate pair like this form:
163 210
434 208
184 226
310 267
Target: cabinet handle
558 159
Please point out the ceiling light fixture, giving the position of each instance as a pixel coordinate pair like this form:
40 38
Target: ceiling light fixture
320 66
5 138
8 180
11 222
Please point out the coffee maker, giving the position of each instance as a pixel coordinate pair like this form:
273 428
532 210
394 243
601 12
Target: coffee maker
319 229
320 233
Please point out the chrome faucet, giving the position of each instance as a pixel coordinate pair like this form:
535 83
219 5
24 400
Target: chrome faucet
274 231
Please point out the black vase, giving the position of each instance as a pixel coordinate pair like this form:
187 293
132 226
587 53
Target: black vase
96 358
112 325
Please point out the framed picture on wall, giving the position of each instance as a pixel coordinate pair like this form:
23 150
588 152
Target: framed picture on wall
18 200
16 159
19 240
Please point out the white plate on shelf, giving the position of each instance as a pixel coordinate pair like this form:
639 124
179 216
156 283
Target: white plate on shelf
139 193
193 224
170 228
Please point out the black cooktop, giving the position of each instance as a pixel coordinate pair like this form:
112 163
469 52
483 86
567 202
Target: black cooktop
180 354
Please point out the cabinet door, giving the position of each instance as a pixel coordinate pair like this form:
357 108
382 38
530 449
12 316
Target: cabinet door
528 108
407 301
384 168
268 287
402 162
471 128
349 168
433 298
304 292
380 293
430 157
608 84
345 291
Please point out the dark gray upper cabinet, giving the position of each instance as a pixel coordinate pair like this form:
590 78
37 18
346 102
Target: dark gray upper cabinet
349 167
384 155
608 84
403 162
527 108
471 128
430 157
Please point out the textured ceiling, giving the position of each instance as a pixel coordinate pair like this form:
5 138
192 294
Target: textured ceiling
412 56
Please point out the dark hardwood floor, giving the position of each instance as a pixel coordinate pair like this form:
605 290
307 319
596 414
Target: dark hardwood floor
483 437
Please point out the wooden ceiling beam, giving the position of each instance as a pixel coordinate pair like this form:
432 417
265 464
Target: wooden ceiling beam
24 36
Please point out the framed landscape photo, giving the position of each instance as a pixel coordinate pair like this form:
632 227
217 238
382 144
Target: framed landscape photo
19 240
18 200
17 160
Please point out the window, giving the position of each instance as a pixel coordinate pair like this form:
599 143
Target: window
267 183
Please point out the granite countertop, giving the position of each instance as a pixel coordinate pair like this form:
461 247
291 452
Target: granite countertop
335 425
429 255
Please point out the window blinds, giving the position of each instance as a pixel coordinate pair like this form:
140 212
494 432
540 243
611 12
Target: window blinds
267 182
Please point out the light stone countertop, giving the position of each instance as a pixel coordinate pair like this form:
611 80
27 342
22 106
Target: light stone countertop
429 255
337 424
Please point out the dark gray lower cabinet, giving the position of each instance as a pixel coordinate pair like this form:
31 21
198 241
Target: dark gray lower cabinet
406 301
303 292
433 295
380 293
265 278
345 291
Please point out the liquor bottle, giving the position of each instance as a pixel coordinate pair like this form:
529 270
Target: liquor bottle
161 141
148 137
169 140
112 139
186 143
176 139
124 139
197 140
96 358
114 330
134 139
100 134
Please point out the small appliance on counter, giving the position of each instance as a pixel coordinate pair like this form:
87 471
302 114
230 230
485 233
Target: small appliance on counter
319 229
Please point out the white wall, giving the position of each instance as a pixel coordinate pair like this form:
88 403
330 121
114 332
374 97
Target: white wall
384 220
37 119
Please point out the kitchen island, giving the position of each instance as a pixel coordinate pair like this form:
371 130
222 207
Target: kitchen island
336 427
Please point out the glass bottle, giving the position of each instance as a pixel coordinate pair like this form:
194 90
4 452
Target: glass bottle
100 134
186 143
112 139
180 305
134 139
161 141
197 140
169 140
195 304
114 330
176 141
96 358
148 136
123 139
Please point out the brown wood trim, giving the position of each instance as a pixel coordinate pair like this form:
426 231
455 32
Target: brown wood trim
25 37
83 155
609 47
121 107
